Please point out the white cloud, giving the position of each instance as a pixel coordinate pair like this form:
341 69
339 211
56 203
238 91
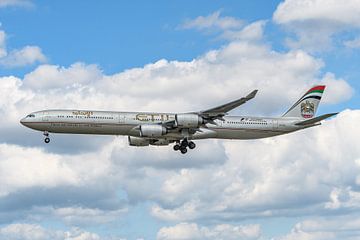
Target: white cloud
269 180
227 27
23 57
67 188
26 231
343 198
228 74
251 32
51 76
35 167
78 216
27 55
16 3
335 227
300 235
191 231
347 12
221 180
337 90
37 232
213 22
316 21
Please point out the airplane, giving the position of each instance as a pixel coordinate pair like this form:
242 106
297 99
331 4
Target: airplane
180 129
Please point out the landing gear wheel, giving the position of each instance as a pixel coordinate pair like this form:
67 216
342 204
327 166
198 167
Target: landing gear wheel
183 150
176 147
184 143
192 145
47 140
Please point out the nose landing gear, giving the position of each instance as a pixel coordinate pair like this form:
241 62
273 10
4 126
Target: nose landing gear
182 146
46 139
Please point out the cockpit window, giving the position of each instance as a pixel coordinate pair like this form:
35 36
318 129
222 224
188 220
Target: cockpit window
30 115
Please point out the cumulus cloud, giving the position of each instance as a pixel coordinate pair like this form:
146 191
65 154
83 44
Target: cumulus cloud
339 89
297 10
339 227
41 185
269 180
228 73
32 172
224 180
23 57
27 55
177 182
51 76
37 232
316 21
187 231
78 216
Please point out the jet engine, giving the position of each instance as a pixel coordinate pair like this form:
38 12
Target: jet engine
138 141
188 120
152 130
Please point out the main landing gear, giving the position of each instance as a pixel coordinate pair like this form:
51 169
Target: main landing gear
46 139
182 146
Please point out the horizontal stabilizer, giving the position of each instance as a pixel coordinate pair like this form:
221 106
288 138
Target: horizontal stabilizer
315 120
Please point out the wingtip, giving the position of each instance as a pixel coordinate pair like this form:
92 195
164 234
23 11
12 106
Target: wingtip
253 93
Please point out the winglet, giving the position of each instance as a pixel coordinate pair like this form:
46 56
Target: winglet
252 94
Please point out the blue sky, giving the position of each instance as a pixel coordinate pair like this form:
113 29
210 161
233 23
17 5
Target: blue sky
179 56
120 36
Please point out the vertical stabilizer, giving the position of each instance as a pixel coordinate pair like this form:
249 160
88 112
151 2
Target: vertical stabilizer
307 105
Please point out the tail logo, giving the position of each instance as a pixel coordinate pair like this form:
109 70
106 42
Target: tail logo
307 109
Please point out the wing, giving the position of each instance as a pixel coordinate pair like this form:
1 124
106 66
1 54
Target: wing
211 114
220 111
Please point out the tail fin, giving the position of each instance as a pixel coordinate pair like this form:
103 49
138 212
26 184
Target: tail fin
307 105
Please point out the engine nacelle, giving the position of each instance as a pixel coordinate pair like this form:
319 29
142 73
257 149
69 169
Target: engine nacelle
152 130
188 120
138 141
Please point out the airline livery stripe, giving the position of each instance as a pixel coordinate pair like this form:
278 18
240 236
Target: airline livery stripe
316 97
316 88
316 91
306 96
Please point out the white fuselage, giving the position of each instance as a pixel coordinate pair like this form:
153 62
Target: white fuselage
127 123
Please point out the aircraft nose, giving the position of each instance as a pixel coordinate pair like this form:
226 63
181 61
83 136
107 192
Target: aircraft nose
23 121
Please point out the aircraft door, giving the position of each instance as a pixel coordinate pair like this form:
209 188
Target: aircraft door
275 124
45 117
121 118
